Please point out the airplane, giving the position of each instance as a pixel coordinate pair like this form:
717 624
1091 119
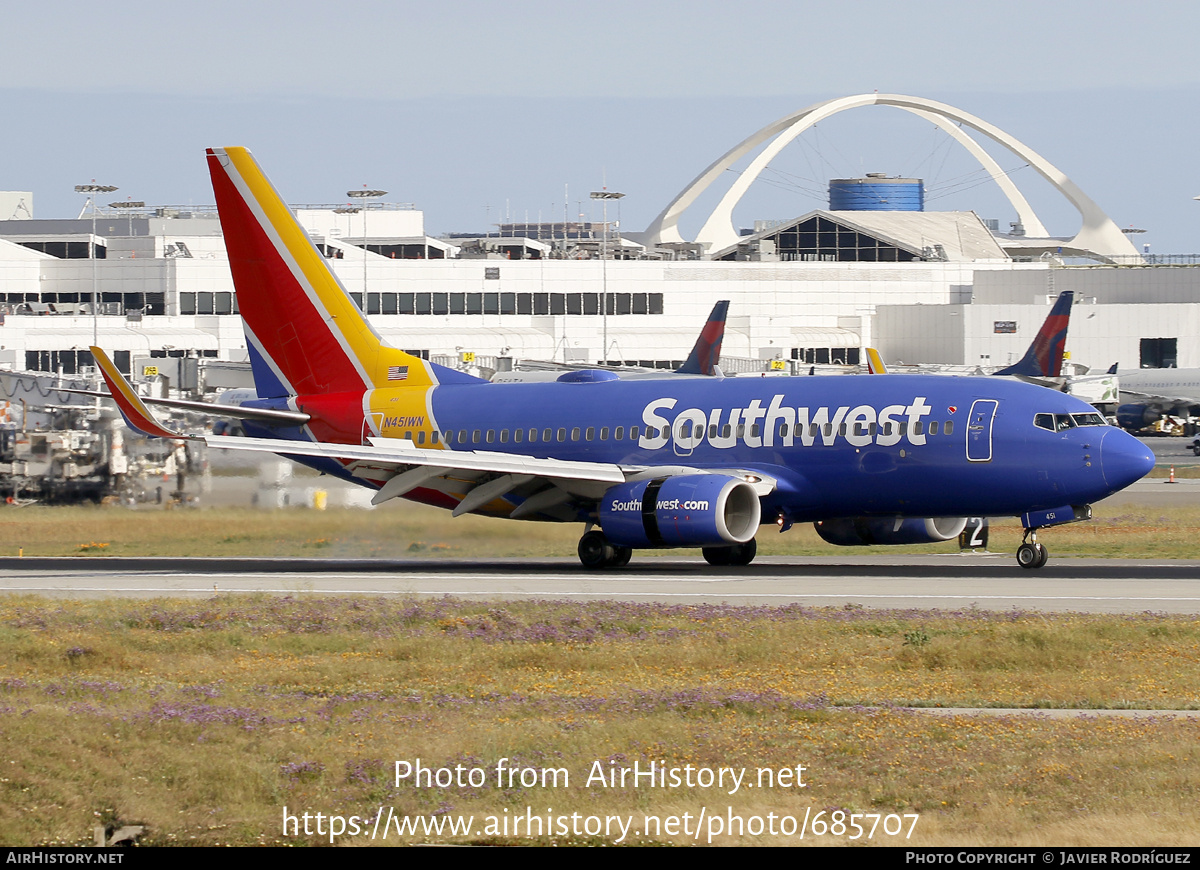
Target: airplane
703 360
670 462
1043 361
1155 393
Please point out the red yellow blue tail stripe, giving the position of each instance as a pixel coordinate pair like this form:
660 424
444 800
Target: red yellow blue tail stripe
298 317
133 409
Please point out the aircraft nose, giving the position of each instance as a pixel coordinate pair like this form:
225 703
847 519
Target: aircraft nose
1123 459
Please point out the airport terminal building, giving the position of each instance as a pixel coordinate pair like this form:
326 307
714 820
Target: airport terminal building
873 269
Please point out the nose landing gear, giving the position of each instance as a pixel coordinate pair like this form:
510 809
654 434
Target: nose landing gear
1031 554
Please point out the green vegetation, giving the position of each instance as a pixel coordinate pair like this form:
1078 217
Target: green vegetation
204 719
402 531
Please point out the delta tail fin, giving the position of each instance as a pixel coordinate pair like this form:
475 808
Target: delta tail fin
706 353
1044 358
304 333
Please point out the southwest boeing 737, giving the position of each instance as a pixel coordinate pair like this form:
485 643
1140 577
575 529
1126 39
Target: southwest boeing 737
671 462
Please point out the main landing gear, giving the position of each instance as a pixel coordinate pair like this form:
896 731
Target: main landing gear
738 554
596 553
1031 554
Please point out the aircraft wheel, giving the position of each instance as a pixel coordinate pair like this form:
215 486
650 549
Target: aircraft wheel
595 551
1043 555
738 554
621 556
1031 555
716 555
743 554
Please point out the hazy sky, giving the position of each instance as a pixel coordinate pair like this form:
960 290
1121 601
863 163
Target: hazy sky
477 110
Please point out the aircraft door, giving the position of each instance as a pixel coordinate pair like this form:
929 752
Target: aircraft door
979 430
687 433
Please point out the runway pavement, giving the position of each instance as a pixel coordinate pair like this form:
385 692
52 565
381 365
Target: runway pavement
947 582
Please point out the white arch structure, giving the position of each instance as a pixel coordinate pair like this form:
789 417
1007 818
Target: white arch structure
1098 235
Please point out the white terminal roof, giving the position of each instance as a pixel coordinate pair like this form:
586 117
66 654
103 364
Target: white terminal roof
962 235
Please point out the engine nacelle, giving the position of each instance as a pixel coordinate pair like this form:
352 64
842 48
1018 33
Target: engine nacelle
882 530
690 510
1136 417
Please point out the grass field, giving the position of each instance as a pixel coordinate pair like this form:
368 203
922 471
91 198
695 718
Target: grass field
407 530
203 720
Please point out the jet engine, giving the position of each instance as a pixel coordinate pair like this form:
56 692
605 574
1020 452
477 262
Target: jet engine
1136 417
882 530
690 510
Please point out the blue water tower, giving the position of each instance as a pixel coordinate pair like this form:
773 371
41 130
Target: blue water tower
877 192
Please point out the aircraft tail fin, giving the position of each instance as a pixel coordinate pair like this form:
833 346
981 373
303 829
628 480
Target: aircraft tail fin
1044 358
875 364
304 333
706 353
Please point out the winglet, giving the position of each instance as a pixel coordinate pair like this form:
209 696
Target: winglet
133 409
875 364
1044 358
706 353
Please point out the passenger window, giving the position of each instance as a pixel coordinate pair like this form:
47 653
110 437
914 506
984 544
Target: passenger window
532 436
933 427
491 435
408 435
918 427
503 436
619 433
421 437
872 429
712 430
948 429
462 436
449 436
828 428
783 430
476 436
603 433
755 430
434 438
547 435
518 436
842 429
590 435
575 434
741 430
562 434
633 432
726 430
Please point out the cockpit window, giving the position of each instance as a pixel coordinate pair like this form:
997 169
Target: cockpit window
1044 421
1062 422
1088 420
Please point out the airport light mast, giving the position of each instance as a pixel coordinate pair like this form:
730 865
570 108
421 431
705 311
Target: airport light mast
91 190
604 196
363 195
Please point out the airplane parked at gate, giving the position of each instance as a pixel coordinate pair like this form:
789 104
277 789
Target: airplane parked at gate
671 462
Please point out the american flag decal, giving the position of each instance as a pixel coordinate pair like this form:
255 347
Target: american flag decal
397 373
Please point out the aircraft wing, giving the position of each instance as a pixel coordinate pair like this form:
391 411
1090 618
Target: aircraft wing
400 466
